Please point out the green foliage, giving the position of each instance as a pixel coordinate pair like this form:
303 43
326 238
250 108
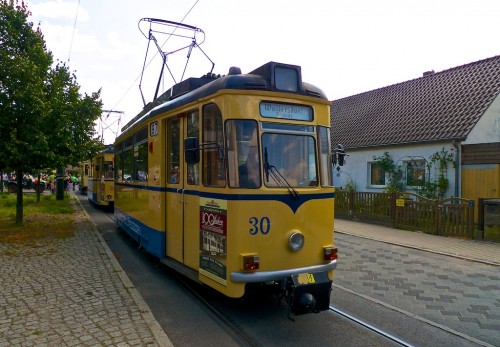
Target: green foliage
432 187
394 172
24 62
350 186
70 123
44 121
436 188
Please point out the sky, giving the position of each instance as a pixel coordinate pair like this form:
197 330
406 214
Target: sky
345 47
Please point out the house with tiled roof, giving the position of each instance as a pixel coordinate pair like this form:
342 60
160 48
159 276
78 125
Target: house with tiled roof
455 112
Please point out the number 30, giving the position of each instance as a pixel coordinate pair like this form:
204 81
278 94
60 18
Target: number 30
263 225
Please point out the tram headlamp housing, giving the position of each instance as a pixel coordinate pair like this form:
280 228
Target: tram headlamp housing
296 241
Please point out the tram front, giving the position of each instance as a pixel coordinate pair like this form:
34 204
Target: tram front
284 209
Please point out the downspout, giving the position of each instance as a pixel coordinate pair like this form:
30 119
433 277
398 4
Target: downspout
458 164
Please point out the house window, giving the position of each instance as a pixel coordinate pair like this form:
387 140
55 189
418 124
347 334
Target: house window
415 172
376 175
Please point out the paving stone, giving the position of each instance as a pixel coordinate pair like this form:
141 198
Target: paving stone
452 292
68 293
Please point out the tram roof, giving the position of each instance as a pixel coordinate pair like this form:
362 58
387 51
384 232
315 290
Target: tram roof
192 89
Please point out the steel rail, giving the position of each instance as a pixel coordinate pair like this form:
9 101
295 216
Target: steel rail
370 327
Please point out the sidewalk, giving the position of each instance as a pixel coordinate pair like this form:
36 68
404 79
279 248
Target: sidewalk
480 251
71 292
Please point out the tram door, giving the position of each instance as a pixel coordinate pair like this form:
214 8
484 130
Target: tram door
182 214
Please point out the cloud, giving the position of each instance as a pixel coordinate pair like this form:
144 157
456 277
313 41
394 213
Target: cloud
60 9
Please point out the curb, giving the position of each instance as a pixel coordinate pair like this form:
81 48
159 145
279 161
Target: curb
158 332
420 248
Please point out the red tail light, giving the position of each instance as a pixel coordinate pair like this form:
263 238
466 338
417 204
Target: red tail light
250 262
329 253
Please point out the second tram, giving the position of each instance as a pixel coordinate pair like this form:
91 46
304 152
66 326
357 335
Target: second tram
229 181
100 188
84 176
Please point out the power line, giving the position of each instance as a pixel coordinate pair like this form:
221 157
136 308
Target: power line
74 28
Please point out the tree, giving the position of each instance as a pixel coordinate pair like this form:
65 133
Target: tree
69 126
44 121
24 62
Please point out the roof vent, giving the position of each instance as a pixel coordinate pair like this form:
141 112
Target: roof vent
428 73
234 70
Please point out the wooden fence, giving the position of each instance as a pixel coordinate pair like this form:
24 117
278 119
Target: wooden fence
450 217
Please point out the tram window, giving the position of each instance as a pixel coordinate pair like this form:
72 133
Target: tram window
193 129
324 145
141 155
128 163
141 161
213 163
173 150
118 166
243 153
119 161
293 156
108 169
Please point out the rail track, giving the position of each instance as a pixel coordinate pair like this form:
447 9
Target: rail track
371 327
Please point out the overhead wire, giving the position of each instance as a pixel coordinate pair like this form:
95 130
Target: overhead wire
74 29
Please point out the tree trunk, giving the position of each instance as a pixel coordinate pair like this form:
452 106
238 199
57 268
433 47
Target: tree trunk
60 184
19 201
37 188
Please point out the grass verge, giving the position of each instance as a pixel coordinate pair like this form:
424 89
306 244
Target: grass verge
44 221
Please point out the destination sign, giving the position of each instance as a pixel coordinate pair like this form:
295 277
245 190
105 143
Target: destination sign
286 111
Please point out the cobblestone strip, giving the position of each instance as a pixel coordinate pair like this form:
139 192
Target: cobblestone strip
71 292
459 294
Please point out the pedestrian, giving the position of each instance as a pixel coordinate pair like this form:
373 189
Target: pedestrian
70 184
74 180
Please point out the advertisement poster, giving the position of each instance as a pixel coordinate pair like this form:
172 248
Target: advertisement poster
213 243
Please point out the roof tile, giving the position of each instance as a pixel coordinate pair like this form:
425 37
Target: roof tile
440 106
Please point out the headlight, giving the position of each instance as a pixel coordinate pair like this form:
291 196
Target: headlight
296 241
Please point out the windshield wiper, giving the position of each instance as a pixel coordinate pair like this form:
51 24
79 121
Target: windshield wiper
277 176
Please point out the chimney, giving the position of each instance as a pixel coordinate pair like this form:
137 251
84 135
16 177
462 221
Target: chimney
428 73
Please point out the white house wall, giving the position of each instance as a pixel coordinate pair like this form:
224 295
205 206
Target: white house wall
357 164
487 130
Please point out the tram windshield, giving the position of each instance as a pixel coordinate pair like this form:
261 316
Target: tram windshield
292 156
288 150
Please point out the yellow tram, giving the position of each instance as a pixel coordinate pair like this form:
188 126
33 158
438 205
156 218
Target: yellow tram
228 180
100 187
84 176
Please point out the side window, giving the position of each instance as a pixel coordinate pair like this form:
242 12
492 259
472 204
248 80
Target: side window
324 156
141 155
376 175
119 162
128 159
212 160
173 138
193 130
243 154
